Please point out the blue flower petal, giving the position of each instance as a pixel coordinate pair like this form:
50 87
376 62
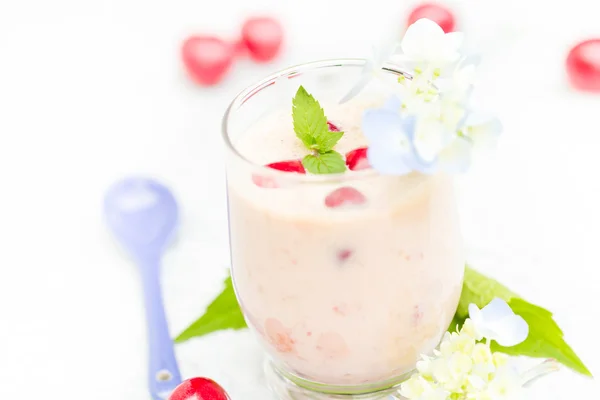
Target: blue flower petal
386 161
379 123
384 128
418 164
393 104
408 124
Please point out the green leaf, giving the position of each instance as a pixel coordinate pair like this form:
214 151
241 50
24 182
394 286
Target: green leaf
545 338
326 141
309 118
455 324
480 290
331 162
223 313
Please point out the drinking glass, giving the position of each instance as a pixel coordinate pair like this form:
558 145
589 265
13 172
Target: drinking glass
344 299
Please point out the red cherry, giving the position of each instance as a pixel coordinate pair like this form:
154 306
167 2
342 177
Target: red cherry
344 196
199 389
207 58
288 166
435 12
285 166
583 65
239 48
332 127
357 159
262 37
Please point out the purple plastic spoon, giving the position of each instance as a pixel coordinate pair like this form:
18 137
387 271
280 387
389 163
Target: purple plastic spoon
142 214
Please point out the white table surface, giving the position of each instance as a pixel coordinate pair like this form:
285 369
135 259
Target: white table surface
91 91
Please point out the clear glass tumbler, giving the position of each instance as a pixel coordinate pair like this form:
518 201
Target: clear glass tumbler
344 300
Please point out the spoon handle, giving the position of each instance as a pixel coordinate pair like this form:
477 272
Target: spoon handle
163 372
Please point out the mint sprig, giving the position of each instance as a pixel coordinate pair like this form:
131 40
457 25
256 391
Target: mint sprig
325 163
545 338
310 125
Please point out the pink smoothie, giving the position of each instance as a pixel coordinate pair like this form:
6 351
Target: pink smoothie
347 295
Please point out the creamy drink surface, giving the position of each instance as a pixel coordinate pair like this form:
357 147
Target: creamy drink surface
349 295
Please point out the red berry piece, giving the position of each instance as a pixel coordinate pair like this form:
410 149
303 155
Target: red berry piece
280 336
583 66
285 166
344 196
207 58
435 12
344 254
417 315
262 36
357 159
199 389
332 127
265 182
288 166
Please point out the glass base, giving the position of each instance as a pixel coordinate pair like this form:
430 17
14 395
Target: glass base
288 387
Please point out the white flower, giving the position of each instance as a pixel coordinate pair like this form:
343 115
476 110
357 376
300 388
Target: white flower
456 342
483 362
416 92
500 359
427 49
482 355
452 372
456 157
506 384
468 329
431 137
458 86
463 369
424 367
418 388
498 322
451 113
482 130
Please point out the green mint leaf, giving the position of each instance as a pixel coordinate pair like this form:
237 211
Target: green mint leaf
223 313
545 338
326 141
309 118
331 162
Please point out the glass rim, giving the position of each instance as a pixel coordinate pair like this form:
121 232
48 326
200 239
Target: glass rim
289 72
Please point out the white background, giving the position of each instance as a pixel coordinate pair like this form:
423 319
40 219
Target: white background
91 91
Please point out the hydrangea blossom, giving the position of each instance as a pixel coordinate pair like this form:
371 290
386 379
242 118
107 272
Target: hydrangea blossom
429 126
464 368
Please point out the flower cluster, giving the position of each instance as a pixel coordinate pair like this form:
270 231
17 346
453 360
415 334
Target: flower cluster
428 125
464 367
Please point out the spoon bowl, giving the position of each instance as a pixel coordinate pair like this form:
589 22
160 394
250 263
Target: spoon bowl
142 214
